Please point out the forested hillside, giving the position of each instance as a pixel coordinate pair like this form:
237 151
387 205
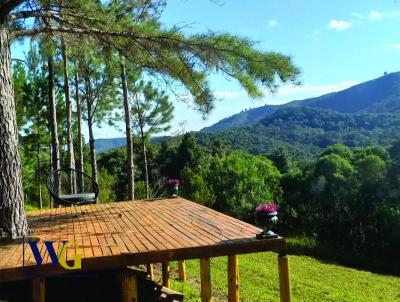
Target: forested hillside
363 115
378 95
307 130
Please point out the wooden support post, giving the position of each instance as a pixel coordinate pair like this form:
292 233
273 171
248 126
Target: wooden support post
150 271
205 278
38 289
165 275
233 278
284 278
182 270
129 290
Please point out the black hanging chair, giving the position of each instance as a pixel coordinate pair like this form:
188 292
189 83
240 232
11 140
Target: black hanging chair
72 187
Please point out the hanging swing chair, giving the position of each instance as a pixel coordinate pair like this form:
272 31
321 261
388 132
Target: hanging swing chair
71 187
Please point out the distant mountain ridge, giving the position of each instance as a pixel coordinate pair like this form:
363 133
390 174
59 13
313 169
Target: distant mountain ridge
363 115
104 144
376 96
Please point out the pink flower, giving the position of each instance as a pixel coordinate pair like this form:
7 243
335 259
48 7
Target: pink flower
173 182
268 208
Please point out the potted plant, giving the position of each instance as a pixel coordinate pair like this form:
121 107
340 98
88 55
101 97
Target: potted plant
266 216
173 185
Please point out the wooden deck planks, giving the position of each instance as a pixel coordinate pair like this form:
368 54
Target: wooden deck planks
120 233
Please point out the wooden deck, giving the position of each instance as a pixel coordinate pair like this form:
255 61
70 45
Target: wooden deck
131 233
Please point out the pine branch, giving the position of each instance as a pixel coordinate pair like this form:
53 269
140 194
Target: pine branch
79 31
32 14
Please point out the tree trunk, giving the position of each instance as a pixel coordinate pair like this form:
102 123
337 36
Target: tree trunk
13 221
141 126
55 153
92 145
80 141
70 143
39 177
129 143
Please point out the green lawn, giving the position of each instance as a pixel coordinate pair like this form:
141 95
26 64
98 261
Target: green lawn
312 280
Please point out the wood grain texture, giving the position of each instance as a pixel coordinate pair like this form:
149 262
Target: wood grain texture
166 269
233 278
205 280
284 279
119 234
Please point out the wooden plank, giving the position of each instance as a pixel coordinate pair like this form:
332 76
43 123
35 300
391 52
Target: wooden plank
166 281
182 270
186 227
161 229
129 289
205 280
110 242
175 229
284 278
38 290
233 278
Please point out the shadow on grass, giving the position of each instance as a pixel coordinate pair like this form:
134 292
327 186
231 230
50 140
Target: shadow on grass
331 254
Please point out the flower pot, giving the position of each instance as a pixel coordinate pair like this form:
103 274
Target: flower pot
266 221
175 191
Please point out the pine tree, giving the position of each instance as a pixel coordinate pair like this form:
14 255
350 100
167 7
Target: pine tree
152 113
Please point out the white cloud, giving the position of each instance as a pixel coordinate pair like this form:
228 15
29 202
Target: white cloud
395 46
375 15
272 23
388 15
339 25
231 94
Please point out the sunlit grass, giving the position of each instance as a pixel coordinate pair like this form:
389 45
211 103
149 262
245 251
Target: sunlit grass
312 280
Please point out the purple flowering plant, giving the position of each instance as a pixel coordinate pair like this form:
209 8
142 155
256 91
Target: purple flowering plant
173 182
267 208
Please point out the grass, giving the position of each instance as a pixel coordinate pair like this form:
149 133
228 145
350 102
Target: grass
312 280
30 207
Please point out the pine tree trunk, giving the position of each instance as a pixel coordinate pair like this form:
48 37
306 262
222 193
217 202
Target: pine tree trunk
146 166
129 143
141 126
55 153
13 221
39 177
70 143
80 140
92 144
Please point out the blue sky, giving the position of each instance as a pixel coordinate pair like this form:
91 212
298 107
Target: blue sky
336 44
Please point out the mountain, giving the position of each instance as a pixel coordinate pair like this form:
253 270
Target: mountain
104 144
378 95
363 115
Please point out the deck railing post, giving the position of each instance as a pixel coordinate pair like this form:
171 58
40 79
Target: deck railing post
165 275
182 270
284 278
233 278
205 278
129 289
150 271
38 289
